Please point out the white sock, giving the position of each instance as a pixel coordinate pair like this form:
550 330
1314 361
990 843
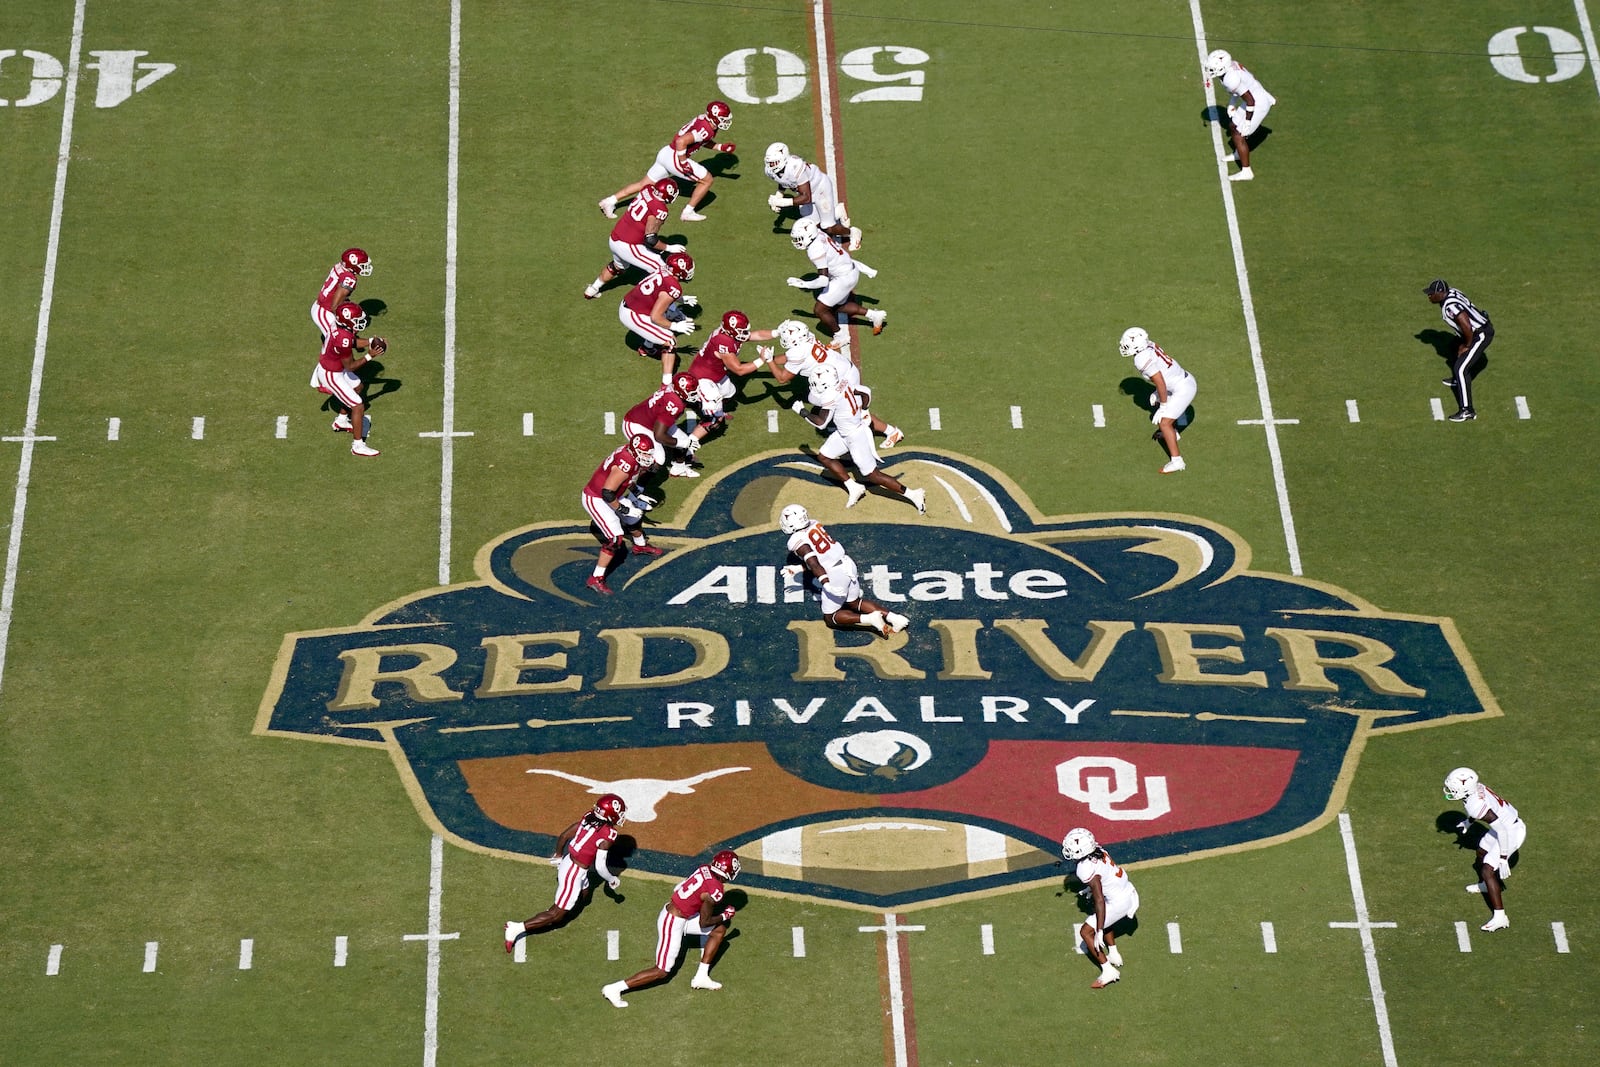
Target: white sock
704 971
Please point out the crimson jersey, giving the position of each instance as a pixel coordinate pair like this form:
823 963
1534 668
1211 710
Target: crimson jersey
660 409
700 130
340 275
590 837
687 893
711 362
630 229
622 459
340 345
641 299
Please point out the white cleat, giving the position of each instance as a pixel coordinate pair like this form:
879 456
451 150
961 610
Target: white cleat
514 930
342 423
689 214
919 498
1113 956
591 291
608 207
876 620
613 993
877 316
1477 887
1231 157
1174 465
681 469
853 491
892 436
1246 175
1499 922
361 448
705 982
897 622
1108 974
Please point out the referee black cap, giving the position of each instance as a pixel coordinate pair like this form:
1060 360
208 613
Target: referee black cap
1438 285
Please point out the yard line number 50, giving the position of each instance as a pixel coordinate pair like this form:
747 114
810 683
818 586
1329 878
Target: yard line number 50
741 77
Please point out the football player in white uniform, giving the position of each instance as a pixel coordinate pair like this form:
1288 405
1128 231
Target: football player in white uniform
837 275
846 405
843 605
1248 104
1175 390
801 356
804 185
1504 834
1114 896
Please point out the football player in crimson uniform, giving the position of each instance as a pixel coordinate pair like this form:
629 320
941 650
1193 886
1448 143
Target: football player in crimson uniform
718 361
335 375
1114 898
581 848
635 238
353 265
1175 390
694 909
612 505
824 558
644 311
656 417
673 161
837 275
846 406
805 186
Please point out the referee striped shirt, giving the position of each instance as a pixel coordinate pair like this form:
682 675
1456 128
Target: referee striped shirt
1455 302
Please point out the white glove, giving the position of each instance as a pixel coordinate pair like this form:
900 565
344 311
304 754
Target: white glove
1463 826
765 353
674 248
689 301
693 446
614 882
555 861
1155 400
855 238
1236 116
798 407
792 573
628 511
1155 417
798 284
777 201
684 327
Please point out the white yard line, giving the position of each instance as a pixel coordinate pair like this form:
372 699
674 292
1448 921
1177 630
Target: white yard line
447 439
986 938
1364 923
1269 938
891 929
1588 41
52 963
41 338
1174 939
1263 392
1559 930
1463 939
798 937
430 1023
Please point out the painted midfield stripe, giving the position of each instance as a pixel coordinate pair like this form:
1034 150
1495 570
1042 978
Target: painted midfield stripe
1174 939
150 949
52 963
1437 407
197 431
986 934
1269 939
1560 932
1099 412
613 944
798 934
247 953
1522 408
1352 411
1463 939
933 418
341 950
897 998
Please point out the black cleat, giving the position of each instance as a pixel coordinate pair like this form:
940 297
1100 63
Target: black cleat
1464 415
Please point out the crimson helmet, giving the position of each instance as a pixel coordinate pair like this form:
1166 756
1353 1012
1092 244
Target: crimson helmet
350 315
681 265
611 809
685 385
643 448
666 189
737 325
726 865
720 113
357 260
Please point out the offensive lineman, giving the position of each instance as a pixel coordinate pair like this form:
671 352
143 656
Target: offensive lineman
1114 896
581 848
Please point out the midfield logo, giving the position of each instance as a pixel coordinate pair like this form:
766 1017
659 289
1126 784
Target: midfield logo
1127 673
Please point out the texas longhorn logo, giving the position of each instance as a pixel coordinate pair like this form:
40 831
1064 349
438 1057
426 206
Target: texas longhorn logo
1127 673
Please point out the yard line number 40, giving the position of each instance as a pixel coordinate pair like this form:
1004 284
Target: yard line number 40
785 74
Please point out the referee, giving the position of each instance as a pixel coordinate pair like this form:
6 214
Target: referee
1476 333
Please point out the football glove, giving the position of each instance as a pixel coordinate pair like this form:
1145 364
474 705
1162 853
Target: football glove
1155 417
614 882
726 146
669 249
777 201
1463 826
727 914
798 284
693 446
799 408
686 326
686 300
1155 400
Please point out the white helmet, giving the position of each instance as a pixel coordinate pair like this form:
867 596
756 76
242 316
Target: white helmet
1078 844
825 388
1134 340
1217 63
1460 783
777 156
805 231
793 519
793 334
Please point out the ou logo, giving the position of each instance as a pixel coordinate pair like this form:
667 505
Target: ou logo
1101 781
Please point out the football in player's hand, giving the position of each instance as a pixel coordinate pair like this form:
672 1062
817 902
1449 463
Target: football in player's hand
378 346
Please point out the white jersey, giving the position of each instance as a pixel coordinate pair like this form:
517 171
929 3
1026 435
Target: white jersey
827 254
1114 883
805 360
837 565
1151 361
1239 81
849 411
796 172
1483 802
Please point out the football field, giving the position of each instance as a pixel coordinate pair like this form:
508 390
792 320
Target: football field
287 735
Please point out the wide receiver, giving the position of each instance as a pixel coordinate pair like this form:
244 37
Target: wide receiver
1504 835
821 555
580 849
1114 898
673 161
691 911
1175 390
